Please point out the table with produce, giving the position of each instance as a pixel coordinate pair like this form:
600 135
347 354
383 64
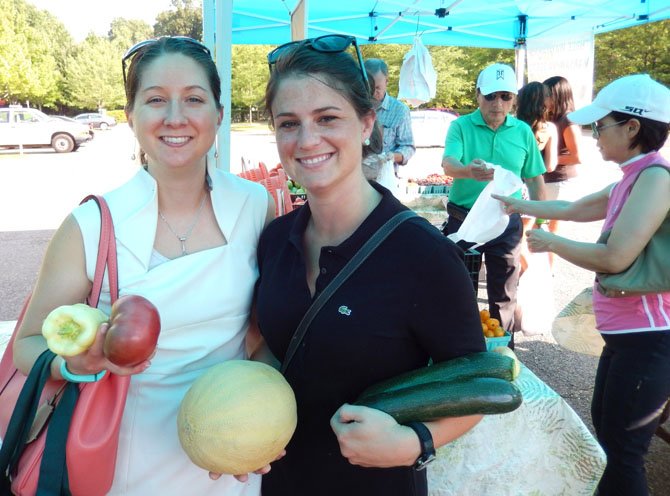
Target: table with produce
541 448
529 442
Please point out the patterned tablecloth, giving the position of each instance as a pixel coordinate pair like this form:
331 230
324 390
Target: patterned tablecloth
542 448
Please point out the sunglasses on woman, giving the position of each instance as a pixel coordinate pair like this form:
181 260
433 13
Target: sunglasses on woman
133 50
596 128
328 43
504 96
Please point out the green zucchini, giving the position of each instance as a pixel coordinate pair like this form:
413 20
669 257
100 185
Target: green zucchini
430 401
483 364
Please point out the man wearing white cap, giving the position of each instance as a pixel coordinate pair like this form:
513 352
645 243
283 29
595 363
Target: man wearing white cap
630 119
491 135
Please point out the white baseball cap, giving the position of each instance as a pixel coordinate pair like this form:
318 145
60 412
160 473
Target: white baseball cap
637 95
497 77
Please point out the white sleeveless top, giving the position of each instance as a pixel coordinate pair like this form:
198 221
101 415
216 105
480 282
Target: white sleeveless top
204 301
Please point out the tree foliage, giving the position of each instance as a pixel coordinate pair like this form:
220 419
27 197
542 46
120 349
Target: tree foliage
640 49
125 33
249 75
94 74
33 47
185 20
41 64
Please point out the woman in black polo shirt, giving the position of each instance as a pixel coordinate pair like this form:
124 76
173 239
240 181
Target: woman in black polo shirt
410 301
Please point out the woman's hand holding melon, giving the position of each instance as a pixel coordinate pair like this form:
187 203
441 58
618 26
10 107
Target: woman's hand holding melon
244 477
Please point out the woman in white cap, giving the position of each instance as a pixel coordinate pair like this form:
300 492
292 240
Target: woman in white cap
630 120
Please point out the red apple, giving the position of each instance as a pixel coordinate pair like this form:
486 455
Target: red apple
133 331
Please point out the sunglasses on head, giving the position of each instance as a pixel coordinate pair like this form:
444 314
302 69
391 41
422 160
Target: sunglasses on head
504 96
138 47
328 43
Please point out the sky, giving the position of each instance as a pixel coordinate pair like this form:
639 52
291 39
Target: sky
80 17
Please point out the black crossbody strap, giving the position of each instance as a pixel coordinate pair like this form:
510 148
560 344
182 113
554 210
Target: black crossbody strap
361 255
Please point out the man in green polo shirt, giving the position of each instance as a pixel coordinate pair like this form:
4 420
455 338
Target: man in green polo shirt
490 135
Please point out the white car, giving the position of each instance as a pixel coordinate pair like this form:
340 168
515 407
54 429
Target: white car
429 127
95 120
30 128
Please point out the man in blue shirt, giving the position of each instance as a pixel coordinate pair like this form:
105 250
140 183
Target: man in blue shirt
393 116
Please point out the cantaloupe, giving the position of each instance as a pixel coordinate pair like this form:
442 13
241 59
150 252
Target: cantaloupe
237 417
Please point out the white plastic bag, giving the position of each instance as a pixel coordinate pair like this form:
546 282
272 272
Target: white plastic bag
386 177
487 220
535 296
418 79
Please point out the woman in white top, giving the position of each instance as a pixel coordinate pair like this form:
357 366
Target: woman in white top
186 238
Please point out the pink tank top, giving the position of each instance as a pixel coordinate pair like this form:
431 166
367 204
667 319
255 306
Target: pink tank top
650 312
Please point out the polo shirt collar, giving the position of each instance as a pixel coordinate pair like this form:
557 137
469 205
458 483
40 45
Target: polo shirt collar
386 102
478 120
387 208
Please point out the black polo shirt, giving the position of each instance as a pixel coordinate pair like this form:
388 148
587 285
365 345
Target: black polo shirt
411 300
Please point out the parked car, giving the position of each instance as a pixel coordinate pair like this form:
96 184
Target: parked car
30 128
430 126
70 119
96 120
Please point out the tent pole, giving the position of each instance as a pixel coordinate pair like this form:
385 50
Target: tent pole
520 65
217 17
520 51
299 21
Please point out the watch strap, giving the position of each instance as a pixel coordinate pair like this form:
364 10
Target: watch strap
70 377
427 447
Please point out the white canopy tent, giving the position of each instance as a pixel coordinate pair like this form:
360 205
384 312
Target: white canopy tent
513 24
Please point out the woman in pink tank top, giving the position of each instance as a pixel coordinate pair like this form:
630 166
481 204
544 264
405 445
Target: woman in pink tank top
630 120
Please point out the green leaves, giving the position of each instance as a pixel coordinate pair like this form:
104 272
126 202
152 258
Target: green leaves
641 49
41 64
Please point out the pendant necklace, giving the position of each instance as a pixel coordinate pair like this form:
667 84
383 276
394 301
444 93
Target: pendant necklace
183 238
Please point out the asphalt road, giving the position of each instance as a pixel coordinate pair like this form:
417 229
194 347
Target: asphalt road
39 188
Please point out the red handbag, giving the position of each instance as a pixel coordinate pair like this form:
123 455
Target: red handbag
93 436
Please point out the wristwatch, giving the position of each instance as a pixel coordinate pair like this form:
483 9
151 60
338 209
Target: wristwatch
427 448
70 377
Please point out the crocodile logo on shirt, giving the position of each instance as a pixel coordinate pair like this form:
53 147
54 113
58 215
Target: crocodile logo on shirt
344 310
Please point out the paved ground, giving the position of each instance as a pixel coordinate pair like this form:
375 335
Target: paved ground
38 189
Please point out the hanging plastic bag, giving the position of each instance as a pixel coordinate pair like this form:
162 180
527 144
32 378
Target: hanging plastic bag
535 296
418 79
487 220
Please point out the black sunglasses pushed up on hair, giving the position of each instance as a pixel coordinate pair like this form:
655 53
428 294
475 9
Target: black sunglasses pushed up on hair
328 43
137 47
504 96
